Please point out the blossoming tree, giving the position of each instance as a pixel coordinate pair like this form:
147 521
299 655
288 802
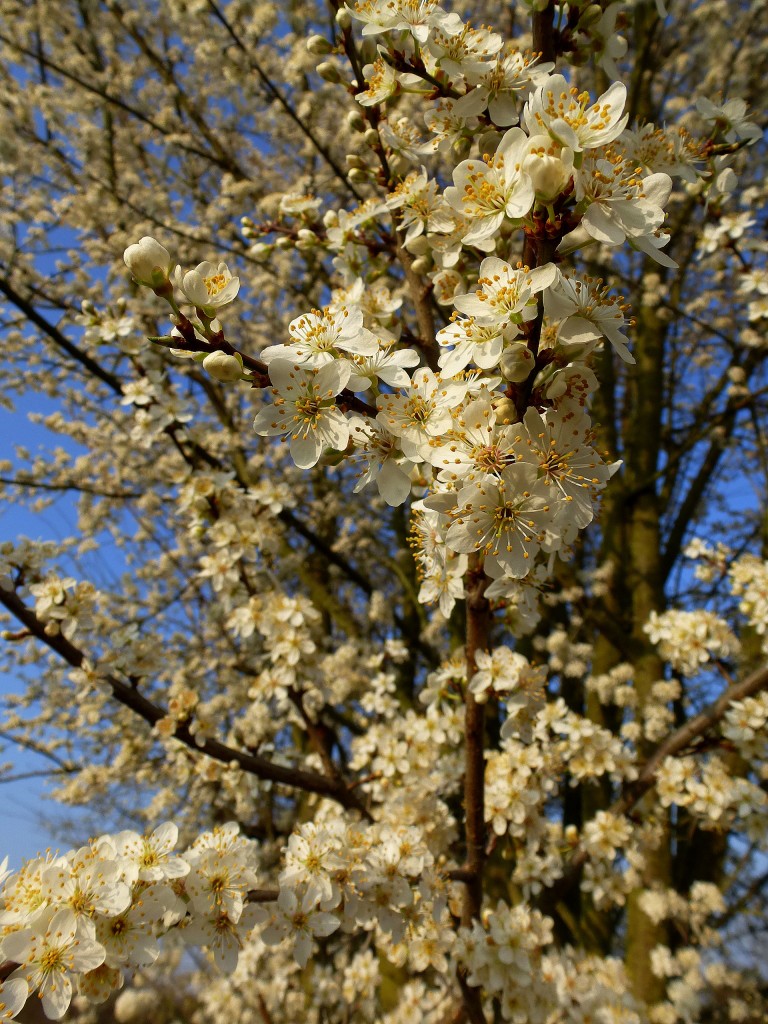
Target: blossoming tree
415 616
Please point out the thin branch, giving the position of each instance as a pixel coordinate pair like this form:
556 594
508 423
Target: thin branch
262 895
114 100
130 697
275 93
477 637
80 488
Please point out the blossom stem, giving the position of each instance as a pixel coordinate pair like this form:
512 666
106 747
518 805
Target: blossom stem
477 634
543 32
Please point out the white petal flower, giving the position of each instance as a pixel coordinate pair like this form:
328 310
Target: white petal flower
152 856
587 313
486 191
298 918
50 951
505 517
304 408
209 286
13 995
318 337
422 414
568 116
505 295
384 461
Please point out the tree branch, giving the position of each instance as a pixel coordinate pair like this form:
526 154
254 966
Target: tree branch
130 697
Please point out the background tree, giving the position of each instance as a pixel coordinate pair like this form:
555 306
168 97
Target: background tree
236 632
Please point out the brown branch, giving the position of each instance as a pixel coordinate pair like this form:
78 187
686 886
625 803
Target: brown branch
477 636
322 741
543 32
421 296
266 1016
80 488
104 95
130 697
262 895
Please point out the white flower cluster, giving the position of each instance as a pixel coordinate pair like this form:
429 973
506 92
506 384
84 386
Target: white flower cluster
712 794
746 725
502 953
90 917
689 640
749 582
494 431
378 878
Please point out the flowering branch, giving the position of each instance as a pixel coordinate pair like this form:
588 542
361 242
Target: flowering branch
130 697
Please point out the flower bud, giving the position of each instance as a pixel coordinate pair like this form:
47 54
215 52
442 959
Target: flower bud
517 362
224 367
260 250
421 265
305 239
149 262
329 71
371 137
418 245
358 175
549 167
489 142
343 19
353 160
356 121
506 411
590 15
318 45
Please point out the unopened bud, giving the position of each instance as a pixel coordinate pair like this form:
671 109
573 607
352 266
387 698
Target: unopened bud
590 15
284 242
460 148
418 246
549 174
343 19
358 175
506 410
305 239
421 265
260 250
356 121
371 137
318 45
329 71
517 363
224 367
353 160
149 262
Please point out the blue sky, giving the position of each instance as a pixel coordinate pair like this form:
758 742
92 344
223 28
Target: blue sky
28 818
